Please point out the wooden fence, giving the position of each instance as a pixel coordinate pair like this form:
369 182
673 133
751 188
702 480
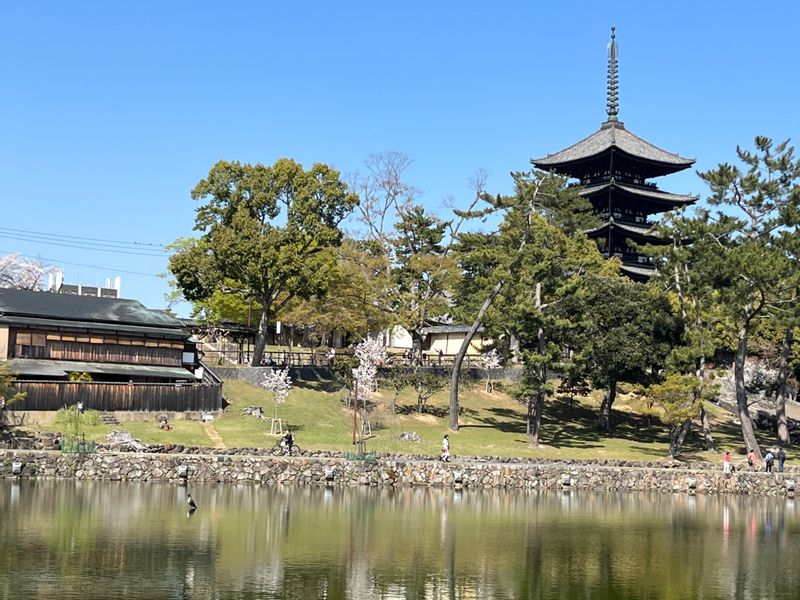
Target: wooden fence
103 396
309 358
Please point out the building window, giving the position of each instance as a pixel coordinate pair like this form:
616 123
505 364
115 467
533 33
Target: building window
30 345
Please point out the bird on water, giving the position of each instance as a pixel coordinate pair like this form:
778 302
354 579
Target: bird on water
190 501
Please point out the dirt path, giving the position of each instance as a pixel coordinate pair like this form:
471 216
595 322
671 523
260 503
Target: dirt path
216 438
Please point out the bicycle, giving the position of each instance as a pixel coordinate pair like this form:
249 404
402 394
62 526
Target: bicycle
280 449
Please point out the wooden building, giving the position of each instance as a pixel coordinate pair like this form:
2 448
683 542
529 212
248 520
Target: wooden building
138 359
613 167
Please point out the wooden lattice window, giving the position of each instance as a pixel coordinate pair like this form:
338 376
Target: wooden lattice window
30 345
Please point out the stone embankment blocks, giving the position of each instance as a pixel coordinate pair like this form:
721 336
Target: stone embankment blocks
327 469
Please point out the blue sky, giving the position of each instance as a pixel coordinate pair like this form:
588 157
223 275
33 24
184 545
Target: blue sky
112 111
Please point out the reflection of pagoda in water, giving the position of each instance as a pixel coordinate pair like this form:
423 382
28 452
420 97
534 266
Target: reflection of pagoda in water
613 166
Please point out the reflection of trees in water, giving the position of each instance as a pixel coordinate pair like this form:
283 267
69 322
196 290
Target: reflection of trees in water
408 543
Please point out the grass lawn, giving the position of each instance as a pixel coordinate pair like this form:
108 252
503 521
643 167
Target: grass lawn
490 425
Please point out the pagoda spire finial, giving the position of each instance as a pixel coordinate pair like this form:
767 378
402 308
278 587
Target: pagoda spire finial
612 93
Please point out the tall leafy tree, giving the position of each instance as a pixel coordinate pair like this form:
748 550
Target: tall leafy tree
271 230
536 224
687 267
424 273
622 332
757 201
352 304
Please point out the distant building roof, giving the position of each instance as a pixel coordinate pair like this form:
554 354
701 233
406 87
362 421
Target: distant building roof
86 309
612 135
448 329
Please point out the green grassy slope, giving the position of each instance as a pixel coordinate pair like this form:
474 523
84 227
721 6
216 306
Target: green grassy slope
490 425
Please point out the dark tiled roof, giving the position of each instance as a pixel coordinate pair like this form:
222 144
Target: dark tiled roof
163 332
654 194
448 329
641 271
639 231
82 308
612 135
59 368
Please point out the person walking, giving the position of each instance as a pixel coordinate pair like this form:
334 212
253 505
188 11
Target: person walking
781 459
769 460
445 455
751 459
726 463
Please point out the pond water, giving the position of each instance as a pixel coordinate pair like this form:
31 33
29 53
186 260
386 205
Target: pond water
116 540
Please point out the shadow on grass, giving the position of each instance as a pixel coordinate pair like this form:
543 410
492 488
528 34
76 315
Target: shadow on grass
329 386
570 424
411 409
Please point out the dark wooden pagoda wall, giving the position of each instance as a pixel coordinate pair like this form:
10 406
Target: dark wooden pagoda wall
95 347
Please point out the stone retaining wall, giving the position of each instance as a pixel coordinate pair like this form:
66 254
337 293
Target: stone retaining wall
342 472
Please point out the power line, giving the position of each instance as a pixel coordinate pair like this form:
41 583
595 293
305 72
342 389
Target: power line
80 237
97 248
64 262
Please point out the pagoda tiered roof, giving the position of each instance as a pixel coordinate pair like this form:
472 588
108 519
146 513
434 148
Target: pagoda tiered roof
640 232
651 193
611 136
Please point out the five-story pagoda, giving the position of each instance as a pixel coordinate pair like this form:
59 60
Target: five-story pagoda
613 166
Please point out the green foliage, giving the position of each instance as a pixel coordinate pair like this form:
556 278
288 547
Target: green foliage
69 420
678 397
424 383
7 390
352 303
268 235
78 376
623 331
424 272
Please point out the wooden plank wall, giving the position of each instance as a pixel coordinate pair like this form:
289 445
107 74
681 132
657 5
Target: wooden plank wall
134 355
102 396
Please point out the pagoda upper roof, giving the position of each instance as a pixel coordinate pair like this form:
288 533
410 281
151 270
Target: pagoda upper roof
613 135
647 192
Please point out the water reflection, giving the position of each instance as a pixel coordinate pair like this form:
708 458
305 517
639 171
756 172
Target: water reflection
104 540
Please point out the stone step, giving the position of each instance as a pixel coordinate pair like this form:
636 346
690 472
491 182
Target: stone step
109 418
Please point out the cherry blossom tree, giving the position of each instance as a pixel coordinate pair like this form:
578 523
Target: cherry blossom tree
490 361
279 384
370 354
23 273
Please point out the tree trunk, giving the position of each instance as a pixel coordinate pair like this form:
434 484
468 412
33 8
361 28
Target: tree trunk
683 431
529 416
455 374
540 347
513 346
604 419
748 435
416 348
783 375
710 446
700 373
537 419
261 336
